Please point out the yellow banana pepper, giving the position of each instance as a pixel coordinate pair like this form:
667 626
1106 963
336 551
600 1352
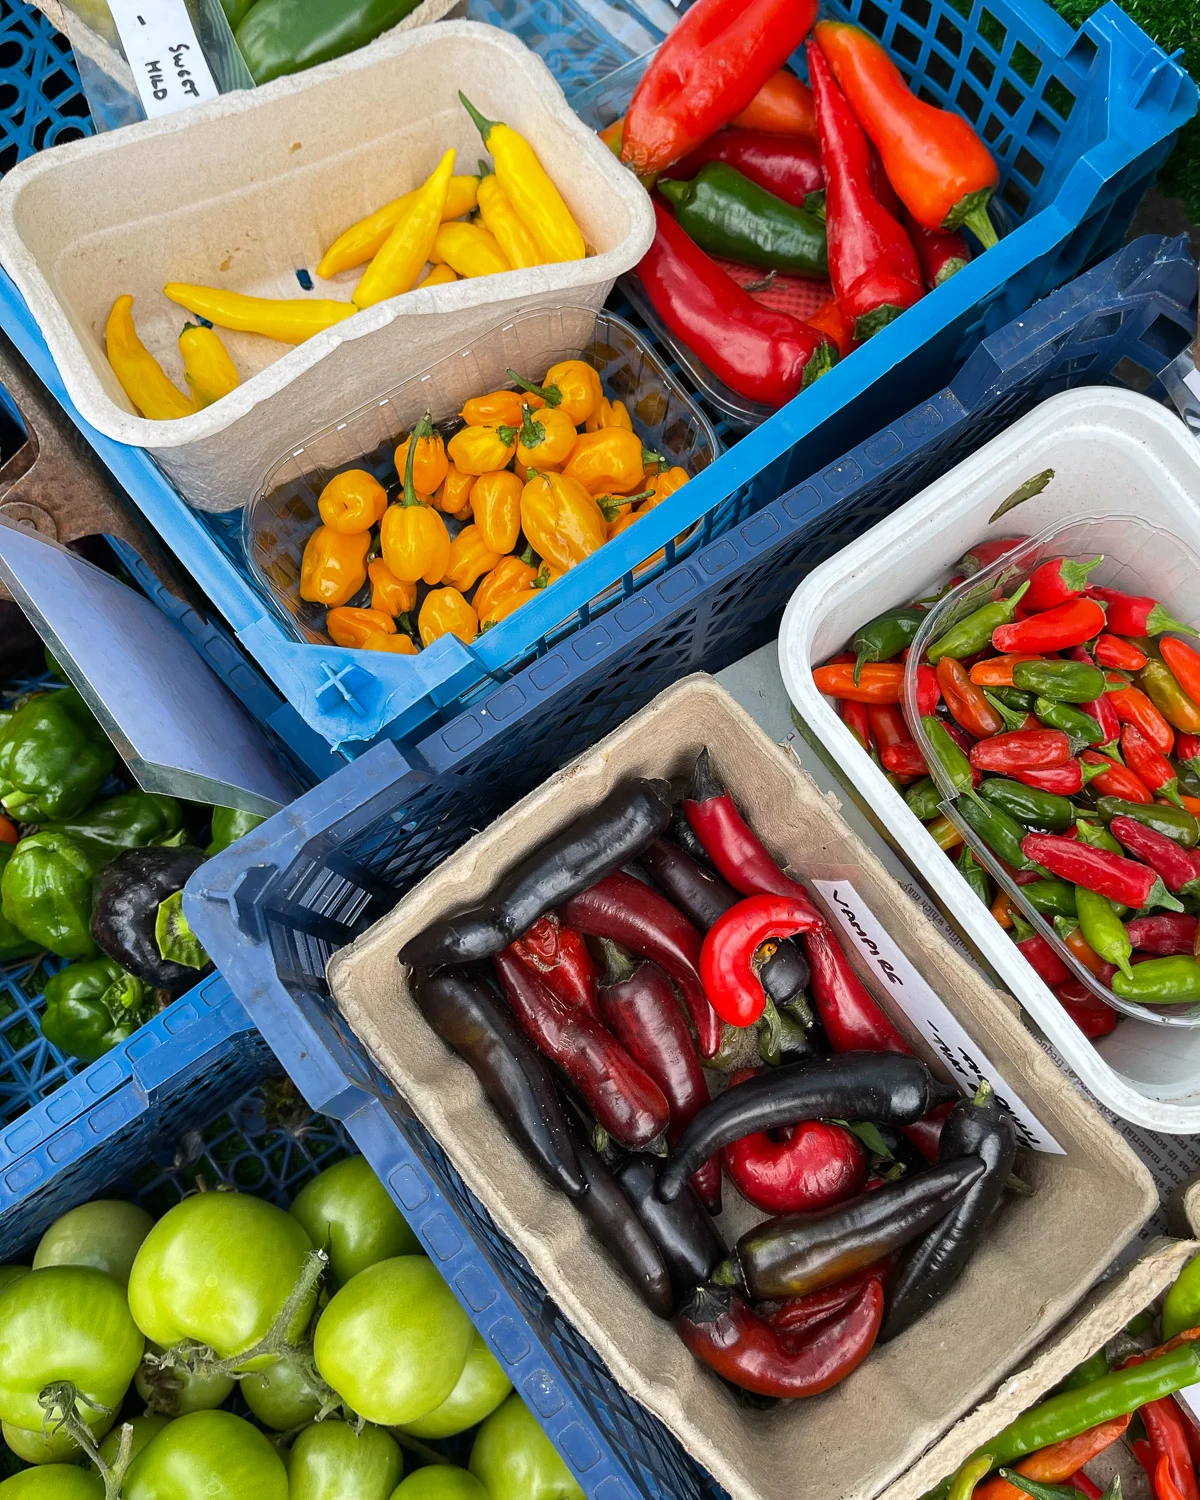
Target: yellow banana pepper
353 501
142 378
398 263
398 644
470 250
446 612
351 627
478 450
609 414
666 483
609 461
498 407
389 594
363 241
453 495
512 234
440 276
561 520
496 505
470 559
430 466
290 320
572 386
207 367
334 566
537 201
546 440
413 535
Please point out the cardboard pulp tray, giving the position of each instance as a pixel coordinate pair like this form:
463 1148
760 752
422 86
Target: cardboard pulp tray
1040 1255
246 191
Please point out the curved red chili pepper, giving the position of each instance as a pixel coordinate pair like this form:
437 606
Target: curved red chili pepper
1116 780
796 1314
1134 707
1150 764
1065 780
1112 651
727 969
852 1020
984 554
1120 879
1179 867
560 956
1021 750
1056 629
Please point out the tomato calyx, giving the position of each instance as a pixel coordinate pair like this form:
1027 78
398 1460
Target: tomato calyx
61 1400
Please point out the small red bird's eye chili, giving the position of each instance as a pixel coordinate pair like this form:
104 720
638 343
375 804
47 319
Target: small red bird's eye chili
879 682
1179 867
1166 934
1133 707
929 690
854 717
1136 614
984 554
1056 581
795 1314
1124 656
1022 750
1184 661
966 700
727 959
560 956
852 1020
1056 629
1120 879
1088 1011
1150 764
1116 780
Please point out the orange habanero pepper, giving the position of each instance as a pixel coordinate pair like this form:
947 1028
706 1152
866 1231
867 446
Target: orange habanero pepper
496 502
446 612
351 627
352 502
413 535
479 450
572 386
398 644
334 566
470 558
389 594
498 408
609 414
561 520
453 495
511 575
430 465
545 440
609 461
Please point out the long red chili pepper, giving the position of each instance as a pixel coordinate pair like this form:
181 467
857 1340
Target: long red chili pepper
1065 780
1088 1011
794 1315
1112 875
1056 581
1055 629
852 1020
1179 867
1021 750
722 1331
1116 780
1165 1487
1134 707
560 956
727 968
1167 1432
623 1097
872 264
966 700
763 355
787 165
942 252
1080 1481
1165 934
1112 651
1136 614
621 908
1150 764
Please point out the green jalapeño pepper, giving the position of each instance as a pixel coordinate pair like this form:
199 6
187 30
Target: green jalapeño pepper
13 942
1102 929
46 893
92 1006
1029 805
924 799
951 759
975 875
886 636
1070 720
54 758
1000 832
1159 981
1023 702
228 825
974 633
287 36
1181 1310
1052 897
727 214
1176 822
1061 681
130 820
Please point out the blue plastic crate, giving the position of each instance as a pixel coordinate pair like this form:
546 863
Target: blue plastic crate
1080 123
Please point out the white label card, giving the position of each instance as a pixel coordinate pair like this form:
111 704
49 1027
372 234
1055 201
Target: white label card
162 49
928 1012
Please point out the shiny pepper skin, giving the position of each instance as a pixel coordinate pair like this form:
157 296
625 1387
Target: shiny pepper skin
609 461
352 502
446 612
470 559
572 386
334 566
415 542
453 495
561 520
496 505
478 450
389 594
667 483
509 585
498 408
546 440
398 644
351 627
609 414
430 465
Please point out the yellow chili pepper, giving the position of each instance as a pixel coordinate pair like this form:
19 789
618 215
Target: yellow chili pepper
207 367
609 461
334 566
495 408
470 559
453 495
413 536
142 378
522 471
545 440
561 520
440 276
512 234
398 263
291 320
351 627
668 482
496 503
363 241
537 201
470 250
609 414
388 593
511 575
572 385
478 450
446 612
430 465
353 501
398 645
616 508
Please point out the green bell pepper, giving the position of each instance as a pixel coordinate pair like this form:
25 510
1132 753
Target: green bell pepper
287 36
46 893
54 758
228 825
727 214
130 820
13 942
92 1006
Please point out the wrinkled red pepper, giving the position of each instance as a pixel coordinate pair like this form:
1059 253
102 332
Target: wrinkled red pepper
1149 764
787 165
1136 614
1088 1011
560 956
1064 780
1055 629
1112 875
1165 934
1116 780
727 959
1112 651
796 1314
1179 867
1021 750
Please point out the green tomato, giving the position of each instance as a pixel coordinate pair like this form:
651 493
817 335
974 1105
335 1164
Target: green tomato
514 1459
347 1211
144 1428
393 1342
481 1388
47 1447
330 1461
65 1323
218 1268
440 1482
12 1273
174 1393
283 1394
54 1482
104 1234
207 1455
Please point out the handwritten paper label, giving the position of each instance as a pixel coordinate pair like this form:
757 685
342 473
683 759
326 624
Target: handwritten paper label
928 1012
162 49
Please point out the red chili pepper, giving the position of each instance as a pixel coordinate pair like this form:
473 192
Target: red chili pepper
787 165
1041 957
1116 780
878 682
623 1097
727 967
929 690
1088 1011
763 355
831 320
622 908
1055 629
1144 1453
927 1131
1165 1487
1187 751
1184 662
854 717
1153 767
1021 750
1080 1481
1134 707
783 106
1174 1476
560 956
1112 651
637 1001
898 751
1136 614
943 253
997 671
712 64
796 1169
1165 934
1065 780
1120 879
966 700
872 264
1057 581
1179 867
852 1020
1101 709
794 1315
984 554
723 1332
904 760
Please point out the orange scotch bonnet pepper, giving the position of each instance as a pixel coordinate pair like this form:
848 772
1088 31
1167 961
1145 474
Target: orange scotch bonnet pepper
561 520
413 535
430 465
496 503
352 502
470 559
609 461
334 566
572 386
352 627
446 612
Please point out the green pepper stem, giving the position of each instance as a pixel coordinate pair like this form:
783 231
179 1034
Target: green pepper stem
550 394
533 433
527 556
409 496
971 212
983 1094
483 125
650 457
770 1033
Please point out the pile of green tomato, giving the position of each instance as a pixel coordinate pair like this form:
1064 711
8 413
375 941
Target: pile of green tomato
123 1345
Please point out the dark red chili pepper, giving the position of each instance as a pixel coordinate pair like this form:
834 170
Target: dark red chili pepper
722 1331
1055 629
1179 867
1112 651
623 1097
1021 750
787 165
942 252
727 959
1041 957
929 690
1121 880
1187 751
1150 764
852 1020
1116 780
872 264
1165 934
1056 581
763 355
1134 707
927 1132
1088 1011
855 717
794 1315
1167 1433
1064 780
628 912
1136 614
560 956
966 700
984 554
637 1001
